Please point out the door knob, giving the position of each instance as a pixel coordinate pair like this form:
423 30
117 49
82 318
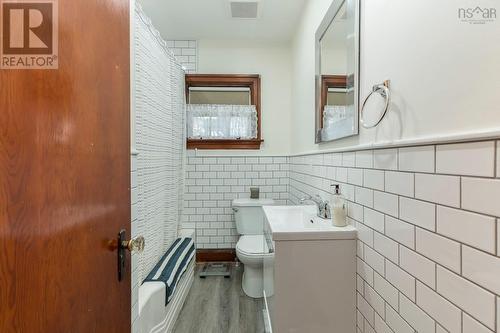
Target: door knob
134 245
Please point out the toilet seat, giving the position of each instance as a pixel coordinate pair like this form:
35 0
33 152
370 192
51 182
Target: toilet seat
253 245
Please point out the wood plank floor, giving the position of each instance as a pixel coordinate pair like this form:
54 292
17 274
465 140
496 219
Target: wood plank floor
219 305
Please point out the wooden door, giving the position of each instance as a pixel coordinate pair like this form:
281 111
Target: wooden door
65 178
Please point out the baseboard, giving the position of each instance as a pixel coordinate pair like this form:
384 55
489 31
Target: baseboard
215 255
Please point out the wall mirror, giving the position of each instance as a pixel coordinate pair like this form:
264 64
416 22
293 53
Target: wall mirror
337 72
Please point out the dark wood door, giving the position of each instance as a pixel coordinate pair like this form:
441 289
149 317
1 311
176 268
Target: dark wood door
65 178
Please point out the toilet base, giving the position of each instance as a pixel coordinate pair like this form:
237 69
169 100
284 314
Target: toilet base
248 252
252 282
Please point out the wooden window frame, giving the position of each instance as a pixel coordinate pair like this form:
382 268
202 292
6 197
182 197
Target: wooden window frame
329 81
228 80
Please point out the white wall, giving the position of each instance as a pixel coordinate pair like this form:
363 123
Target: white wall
273 63
334 61
303 71
334 49
444 73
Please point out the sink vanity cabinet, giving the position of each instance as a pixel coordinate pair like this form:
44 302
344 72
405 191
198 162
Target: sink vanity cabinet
310 283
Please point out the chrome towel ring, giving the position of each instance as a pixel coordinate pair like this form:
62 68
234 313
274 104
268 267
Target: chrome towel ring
384 90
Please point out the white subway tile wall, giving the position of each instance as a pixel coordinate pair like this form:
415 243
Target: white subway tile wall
481 268
385 159
186 52
395 322
213 182
428 232
439 189
415 316
473 299
440 329
418 266
400 279
440 249
444 311
419 213
481 195
381 325
400 231
466 227
473 326
400 183
374 299
417 159
454 159
366 310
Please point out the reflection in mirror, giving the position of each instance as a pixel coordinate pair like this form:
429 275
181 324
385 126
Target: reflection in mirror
337 73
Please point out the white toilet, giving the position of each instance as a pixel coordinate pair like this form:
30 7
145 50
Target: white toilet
251 248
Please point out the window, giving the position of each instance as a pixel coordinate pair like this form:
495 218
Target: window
334 99
223 111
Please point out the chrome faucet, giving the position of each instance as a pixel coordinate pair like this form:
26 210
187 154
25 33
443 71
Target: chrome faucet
323 206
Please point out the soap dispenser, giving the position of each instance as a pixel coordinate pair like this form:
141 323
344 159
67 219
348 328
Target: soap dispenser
339 207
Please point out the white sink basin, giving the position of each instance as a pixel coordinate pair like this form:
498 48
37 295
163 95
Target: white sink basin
301 223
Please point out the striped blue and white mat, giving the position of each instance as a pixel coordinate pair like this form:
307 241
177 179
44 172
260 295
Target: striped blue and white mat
172 265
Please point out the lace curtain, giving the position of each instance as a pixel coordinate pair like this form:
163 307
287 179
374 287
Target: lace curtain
214 121
332 114
338 121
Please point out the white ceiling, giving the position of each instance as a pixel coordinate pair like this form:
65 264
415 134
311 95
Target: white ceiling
211 19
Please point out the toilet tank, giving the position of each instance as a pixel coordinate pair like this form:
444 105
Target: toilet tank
249 215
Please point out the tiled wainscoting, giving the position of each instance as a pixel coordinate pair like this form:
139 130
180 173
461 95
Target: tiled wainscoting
429 238
186 52
213 182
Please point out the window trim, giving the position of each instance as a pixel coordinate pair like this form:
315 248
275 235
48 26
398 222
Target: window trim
251 81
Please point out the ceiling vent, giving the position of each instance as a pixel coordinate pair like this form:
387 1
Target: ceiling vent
244 9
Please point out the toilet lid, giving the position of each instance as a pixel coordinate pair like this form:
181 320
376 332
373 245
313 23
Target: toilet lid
252 244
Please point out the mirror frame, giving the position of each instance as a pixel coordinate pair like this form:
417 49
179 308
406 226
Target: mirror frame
322 28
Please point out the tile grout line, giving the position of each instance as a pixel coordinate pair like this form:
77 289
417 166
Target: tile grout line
495 159
434 148
497 317
461 259
462 321
497 240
